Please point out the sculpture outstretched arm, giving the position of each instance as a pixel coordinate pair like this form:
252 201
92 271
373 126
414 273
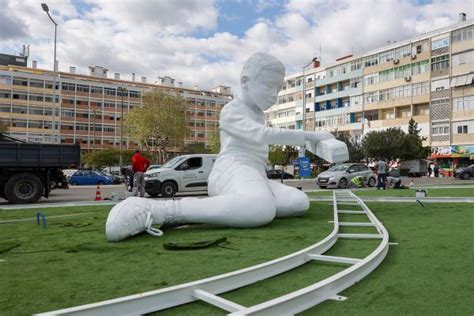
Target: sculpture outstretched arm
246 129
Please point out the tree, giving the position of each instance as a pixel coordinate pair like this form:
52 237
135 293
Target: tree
108 157
281 155
387 144
159 124
101 158
356 153
414 142
214 143
196 148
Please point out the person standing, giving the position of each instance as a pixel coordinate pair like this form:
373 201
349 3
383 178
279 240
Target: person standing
429 170
381 173
436 170
139 165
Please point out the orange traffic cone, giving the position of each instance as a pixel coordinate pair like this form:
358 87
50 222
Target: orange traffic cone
97 194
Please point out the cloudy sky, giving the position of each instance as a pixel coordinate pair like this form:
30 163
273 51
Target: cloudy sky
204 42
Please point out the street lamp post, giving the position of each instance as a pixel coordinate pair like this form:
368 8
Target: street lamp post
122 91
46 9
303 148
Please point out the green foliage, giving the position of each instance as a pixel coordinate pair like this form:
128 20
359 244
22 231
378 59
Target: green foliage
394 143
196 148
108 157
159 124
282 155
215 143
356 152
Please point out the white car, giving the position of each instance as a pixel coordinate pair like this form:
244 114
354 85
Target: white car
186 173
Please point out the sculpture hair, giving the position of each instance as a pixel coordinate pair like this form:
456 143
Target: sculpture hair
258 62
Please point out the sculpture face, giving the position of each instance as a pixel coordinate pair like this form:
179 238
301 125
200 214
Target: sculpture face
263 89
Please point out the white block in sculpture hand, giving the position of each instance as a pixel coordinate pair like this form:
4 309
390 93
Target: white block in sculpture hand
332 150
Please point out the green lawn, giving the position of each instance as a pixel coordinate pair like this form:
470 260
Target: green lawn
441 192
70 263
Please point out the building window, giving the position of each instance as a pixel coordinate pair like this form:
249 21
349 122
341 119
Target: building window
440 63
463 58
462 129
463 103
440 43
82 88
464 34
68 86
440 130
439 85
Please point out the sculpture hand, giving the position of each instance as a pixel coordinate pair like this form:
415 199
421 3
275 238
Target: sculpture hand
324 145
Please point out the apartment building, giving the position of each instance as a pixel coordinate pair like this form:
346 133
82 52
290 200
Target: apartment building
88 107
428 78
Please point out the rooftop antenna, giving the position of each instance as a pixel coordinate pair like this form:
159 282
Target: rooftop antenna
26 51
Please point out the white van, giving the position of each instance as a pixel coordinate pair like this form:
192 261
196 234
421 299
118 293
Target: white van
186 173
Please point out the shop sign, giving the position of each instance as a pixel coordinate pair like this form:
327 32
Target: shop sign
455 151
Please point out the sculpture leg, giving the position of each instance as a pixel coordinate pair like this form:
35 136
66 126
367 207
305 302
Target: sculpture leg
289 201
243 203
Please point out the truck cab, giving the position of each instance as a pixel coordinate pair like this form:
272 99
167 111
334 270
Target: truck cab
185 173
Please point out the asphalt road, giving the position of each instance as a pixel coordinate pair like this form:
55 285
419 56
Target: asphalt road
87 193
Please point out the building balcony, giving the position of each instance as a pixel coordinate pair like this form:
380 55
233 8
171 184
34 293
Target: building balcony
350 127
342 77
338 94
331 112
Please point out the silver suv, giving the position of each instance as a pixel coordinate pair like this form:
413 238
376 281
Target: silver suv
339 176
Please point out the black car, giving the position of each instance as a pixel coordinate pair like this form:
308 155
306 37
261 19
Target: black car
465 172
278 174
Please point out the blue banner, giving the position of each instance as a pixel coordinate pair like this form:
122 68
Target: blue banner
305 167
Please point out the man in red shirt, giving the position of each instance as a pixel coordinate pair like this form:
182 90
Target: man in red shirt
139 165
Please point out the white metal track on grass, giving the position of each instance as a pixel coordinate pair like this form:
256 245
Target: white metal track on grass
207 290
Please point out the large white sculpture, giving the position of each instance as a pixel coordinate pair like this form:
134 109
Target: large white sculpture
240 195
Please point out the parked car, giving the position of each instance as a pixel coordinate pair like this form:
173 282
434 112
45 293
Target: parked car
84 177
464 172
339 176
154 167
116 179
278 174
181 174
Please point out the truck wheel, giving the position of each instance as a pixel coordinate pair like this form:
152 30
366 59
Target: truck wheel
23 188
168 189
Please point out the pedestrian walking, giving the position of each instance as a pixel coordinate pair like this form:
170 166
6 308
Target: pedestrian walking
429 170
139 165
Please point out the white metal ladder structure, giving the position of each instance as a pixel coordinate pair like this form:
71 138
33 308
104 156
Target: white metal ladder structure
208 289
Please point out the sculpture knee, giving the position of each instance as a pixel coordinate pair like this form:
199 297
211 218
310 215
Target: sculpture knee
252 210
293 203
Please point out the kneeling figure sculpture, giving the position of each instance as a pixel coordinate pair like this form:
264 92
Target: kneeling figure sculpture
240 195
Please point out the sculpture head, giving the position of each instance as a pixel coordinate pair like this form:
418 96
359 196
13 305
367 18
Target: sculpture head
261 78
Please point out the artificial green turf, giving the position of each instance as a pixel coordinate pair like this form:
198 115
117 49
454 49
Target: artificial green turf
435 192
70 263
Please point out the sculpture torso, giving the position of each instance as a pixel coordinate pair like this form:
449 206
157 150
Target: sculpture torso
239 141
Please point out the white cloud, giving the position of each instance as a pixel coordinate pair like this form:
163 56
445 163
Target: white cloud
182 38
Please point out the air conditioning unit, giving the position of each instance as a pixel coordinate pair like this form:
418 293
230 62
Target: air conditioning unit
408 78
413 56
396 61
